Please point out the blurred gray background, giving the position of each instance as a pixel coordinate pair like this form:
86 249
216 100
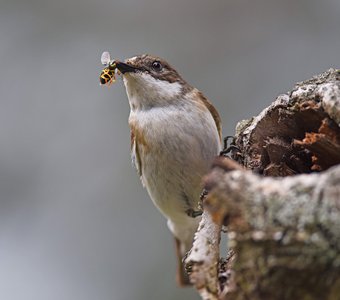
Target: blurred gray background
75 222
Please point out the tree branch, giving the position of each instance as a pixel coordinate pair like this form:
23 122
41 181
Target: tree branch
202 260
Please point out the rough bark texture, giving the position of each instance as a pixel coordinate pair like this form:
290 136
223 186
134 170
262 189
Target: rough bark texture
284 232
298 133
202 260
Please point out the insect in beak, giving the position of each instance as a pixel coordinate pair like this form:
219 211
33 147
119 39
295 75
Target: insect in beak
108 74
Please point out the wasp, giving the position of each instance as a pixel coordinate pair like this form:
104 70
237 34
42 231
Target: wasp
108 74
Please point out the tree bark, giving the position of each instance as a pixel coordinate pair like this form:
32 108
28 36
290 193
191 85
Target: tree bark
280 200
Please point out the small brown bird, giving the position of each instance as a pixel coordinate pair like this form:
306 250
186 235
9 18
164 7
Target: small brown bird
175 135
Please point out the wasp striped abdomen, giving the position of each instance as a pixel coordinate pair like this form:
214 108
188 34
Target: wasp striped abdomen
107 76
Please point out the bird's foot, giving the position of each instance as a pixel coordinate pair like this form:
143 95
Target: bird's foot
193 213
226 141
229 149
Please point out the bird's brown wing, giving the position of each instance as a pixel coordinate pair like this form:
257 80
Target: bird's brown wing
135 154
213 112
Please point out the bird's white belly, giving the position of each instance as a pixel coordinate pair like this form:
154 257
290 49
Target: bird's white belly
179 148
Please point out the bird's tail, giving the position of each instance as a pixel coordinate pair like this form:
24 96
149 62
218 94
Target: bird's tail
182 277
184 235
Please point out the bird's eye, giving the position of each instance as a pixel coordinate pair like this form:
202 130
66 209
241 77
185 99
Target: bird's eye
157 66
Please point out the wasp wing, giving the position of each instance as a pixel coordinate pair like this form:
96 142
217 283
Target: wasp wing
105 59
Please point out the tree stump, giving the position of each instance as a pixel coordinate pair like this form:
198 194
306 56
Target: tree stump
279 198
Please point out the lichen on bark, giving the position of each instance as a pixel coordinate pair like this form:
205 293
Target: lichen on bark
281 202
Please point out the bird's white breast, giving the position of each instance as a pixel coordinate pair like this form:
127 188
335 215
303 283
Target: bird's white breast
179 145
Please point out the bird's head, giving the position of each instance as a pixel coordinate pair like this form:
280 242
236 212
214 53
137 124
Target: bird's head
150 81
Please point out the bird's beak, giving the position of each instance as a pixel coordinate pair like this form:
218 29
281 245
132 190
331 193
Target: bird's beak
125 68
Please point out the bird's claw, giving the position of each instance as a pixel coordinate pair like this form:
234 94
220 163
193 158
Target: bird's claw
230 148
193 213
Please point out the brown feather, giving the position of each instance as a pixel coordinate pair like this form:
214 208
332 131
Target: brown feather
182 276
137 140
211 109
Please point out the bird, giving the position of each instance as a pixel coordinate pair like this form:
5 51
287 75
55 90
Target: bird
175 136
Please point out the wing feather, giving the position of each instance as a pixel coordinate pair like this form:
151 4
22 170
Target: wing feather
135 154
213 112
